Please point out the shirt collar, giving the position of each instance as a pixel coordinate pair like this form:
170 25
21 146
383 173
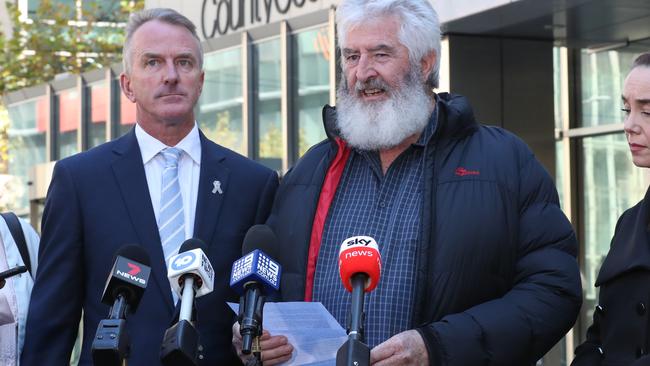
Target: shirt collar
150 146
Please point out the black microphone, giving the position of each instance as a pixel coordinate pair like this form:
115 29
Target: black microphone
255 276
123 291
190 275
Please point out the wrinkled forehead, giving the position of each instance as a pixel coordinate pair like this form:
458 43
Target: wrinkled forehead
158 36
384 27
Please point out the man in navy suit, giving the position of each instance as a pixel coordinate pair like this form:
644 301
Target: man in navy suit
114 194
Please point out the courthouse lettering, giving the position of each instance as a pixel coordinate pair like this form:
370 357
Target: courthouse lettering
219 17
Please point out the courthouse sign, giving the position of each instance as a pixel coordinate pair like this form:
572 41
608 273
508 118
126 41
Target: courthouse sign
219 17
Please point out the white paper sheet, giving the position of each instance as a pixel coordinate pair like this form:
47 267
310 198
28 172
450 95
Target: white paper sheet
309 327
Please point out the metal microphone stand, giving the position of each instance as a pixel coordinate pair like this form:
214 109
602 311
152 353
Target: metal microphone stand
111 344
181 344
251 328
354 352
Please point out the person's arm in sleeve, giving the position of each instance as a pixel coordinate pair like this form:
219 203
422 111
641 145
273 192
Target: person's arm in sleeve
23 295
589 353
267 195
544 300
56 301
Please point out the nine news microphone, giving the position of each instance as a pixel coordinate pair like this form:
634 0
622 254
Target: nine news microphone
360 268
255 276
191 275
124 288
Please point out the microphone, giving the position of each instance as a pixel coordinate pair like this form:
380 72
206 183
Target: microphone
123 291
255 276
190 275
359 268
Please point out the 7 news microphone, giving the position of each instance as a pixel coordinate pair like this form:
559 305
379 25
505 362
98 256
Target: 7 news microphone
191 275
360 268
254 277
123 291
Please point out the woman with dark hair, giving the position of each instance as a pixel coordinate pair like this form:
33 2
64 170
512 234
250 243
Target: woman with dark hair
620 333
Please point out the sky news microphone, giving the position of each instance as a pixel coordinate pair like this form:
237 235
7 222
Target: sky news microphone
191 275
255 276
360 269
123 291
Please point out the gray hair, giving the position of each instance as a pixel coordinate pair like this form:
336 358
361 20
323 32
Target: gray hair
165 15
419 30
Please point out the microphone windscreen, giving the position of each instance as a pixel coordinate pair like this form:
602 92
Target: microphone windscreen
133 252
192 260
360 254
260 237
258 264
193 243
129 276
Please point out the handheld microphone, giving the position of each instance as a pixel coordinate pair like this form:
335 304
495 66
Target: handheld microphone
255 276
360 269
191 275
123 291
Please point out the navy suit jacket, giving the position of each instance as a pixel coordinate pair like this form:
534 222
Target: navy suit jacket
97 202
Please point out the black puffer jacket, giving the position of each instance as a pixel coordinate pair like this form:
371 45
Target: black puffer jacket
497 278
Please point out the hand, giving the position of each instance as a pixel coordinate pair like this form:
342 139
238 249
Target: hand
275 349
406 348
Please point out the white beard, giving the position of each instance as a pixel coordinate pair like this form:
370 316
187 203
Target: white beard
381 125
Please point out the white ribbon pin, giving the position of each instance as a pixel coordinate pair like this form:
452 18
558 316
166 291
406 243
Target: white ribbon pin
216 187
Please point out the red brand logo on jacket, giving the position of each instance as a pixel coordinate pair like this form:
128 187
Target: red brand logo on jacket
461 172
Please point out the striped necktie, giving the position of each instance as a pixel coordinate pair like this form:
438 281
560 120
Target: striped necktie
171 220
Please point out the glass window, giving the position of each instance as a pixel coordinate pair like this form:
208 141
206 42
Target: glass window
69 5
102 10
602 76
220 106
28 123
98 103
268 119
558 100
311 88
612 184
68 120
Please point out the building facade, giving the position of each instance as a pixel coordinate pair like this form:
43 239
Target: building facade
550 71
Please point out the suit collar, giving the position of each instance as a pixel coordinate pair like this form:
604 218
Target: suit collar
213 187
131 179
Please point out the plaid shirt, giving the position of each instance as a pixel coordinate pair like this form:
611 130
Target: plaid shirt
387 208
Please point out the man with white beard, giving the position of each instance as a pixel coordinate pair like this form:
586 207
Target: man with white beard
478 260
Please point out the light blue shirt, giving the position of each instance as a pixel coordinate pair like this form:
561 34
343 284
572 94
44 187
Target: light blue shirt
189 170
22 283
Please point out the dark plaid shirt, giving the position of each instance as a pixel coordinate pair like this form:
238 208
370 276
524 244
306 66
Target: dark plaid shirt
387 208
